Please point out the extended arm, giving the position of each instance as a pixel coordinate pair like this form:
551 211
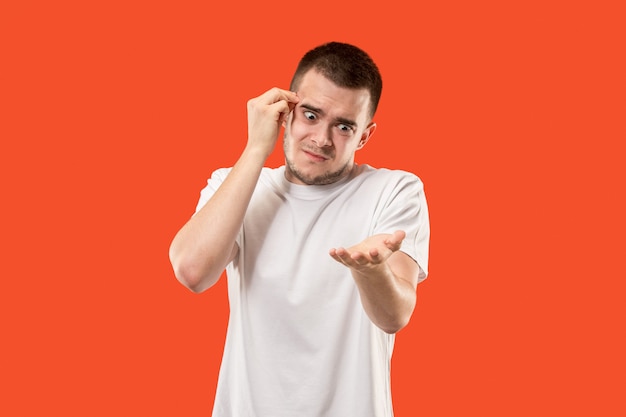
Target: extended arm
386 279
206 243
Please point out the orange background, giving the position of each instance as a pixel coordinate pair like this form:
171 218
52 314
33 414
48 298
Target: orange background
115 113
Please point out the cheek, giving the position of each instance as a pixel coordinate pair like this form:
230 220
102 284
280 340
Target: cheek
345 150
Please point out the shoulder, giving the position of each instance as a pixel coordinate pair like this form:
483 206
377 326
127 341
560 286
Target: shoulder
388 178
220 174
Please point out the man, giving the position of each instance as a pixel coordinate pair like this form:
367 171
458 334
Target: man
322 255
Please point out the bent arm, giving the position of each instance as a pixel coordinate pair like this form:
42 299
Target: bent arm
206 243
385 277
389 298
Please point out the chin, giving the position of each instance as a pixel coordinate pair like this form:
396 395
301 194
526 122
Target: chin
320 177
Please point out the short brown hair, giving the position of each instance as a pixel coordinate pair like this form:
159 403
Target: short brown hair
345 65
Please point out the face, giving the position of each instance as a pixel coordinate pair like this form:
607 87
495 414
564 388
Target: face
327 126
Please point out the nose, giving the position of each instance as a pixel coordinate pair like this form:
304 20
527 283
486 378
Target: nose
322 137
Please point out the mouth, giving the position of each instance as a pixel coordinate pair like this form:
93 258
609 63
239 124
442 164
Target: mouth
315 156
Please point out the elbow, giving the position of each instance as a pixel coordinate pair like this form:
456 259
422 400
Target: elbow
188 274
188 278
399 318
395 326
396 322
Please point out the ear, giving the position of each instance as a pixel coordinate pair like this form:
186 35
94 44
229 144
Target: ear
367 134
286 119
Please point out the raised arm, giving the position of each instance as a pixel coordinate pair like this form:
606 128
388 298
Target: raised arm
206 243
386 279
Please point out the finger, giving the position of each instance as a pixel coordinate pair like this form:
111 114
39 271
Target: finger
292 103
345 257
285 115
277 94
338 254
399 235
395 241
335 257
341 251
280 109
375 256
359 258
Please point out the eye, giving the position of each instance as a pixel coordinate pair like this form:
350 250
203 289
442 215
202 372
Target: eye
309 115
345 129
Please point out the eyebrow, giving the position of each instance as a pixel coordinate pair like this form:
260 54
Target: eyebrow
342 120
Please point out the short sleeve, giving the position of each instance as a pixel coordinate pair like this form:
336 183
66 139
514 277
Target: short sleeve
217 178
405 208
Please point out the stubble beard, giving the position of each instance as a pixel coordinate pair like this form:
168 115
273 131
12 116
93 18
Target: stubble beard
323 179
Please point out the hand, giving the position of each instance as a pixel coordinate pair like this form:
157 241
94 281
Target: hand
266 113
371 253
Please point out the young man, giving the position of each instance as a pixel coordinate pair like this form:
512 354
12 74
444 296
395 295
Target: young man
323 256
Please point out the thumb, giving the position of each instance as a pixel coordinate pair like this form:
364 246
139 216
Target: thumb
395 241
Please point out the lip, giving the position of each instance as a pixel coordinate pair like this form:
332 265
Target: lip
314 156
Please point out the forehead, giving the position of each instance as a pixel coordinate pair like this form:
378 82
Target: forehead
318 91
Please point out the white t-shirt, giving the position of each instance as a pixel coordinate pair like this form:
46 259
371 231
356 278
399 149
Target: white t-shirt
299 342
